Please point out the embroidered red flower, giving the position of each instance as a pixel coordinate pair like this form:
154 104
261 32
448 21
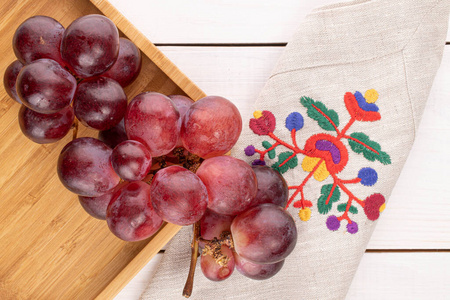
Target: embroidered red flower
331 149
363 108
374 204
263 123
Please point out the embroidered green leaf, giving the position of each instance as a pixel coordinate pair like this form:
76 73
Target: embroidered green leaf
361 143
286 160
319 112
272 152
322 204
343 206
353 210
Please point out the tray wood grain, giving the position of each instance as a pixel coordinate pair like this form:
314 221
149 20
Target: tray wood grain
49 247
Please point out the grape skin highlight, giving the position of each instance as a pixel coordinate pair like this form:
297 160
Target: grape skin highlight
231 184
130 215
38 37
131 160
153 120
45 86
84 167
264 234
178 195
100 103
90 45
45 128
211 127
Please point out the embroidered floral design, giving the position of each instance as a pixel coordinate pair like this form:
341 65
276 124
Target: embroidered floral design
326 155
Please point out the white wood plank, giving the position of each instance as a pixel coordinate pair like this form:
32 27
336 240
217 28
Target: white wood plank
214 21
418 212
384 276
402 276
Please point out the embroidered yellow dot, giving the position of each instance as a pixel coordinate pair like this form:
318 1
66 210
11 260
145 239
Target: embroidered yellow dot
309 163
257 114
371 96
305 214
382 207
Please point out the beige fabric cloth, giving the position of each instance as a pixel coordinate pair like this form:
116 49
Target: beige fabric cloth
393 47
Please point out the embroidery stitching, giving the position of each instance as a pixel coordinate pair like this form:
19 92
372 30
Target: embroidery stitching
326 155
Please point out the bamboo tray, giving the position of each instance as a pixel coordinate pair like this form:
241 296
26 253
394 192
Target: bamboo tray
49 247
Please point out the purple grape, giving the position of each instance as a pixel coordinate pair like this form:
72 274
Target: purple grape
231 184
256 271
84 167
178 196
272 188
38 37
45 86
10 77
130 215
100 103
264 234
45 128
153 120
113 136
182 103
128 64
131 160
214 271
211 127
90 45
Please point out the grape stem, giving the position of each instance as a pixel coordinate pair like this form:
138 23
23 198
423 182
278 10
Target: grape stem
75 129
187 291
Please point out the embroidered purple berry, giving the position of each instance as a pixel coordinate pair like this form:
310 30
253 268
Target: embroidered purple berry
368 176
294 121
352 227
258 162
333 223
249 150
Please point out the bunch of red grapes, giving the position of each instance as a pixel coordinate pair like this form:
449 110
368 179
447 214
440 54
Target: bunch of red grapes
157 158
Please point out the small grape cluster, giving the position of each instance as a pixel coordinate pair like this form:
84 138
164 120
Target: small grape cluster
157 158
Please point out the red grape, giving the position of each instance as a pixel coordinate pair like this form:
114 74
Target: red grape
130 215
214 271
96 206
131 160
38 37
211 127
178 195
182 103
153 120
45 86
45 128
256 271
128 64
10 77
84 167
213 224
90 45
272 188
231 184
264 234
113 136
100 103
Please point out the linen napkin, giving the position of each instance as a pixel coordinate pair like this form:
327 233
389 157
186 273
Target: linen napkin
337 118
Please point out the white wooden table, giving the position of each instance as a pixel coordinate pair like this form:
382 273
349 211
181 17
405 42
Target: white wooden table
229 48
